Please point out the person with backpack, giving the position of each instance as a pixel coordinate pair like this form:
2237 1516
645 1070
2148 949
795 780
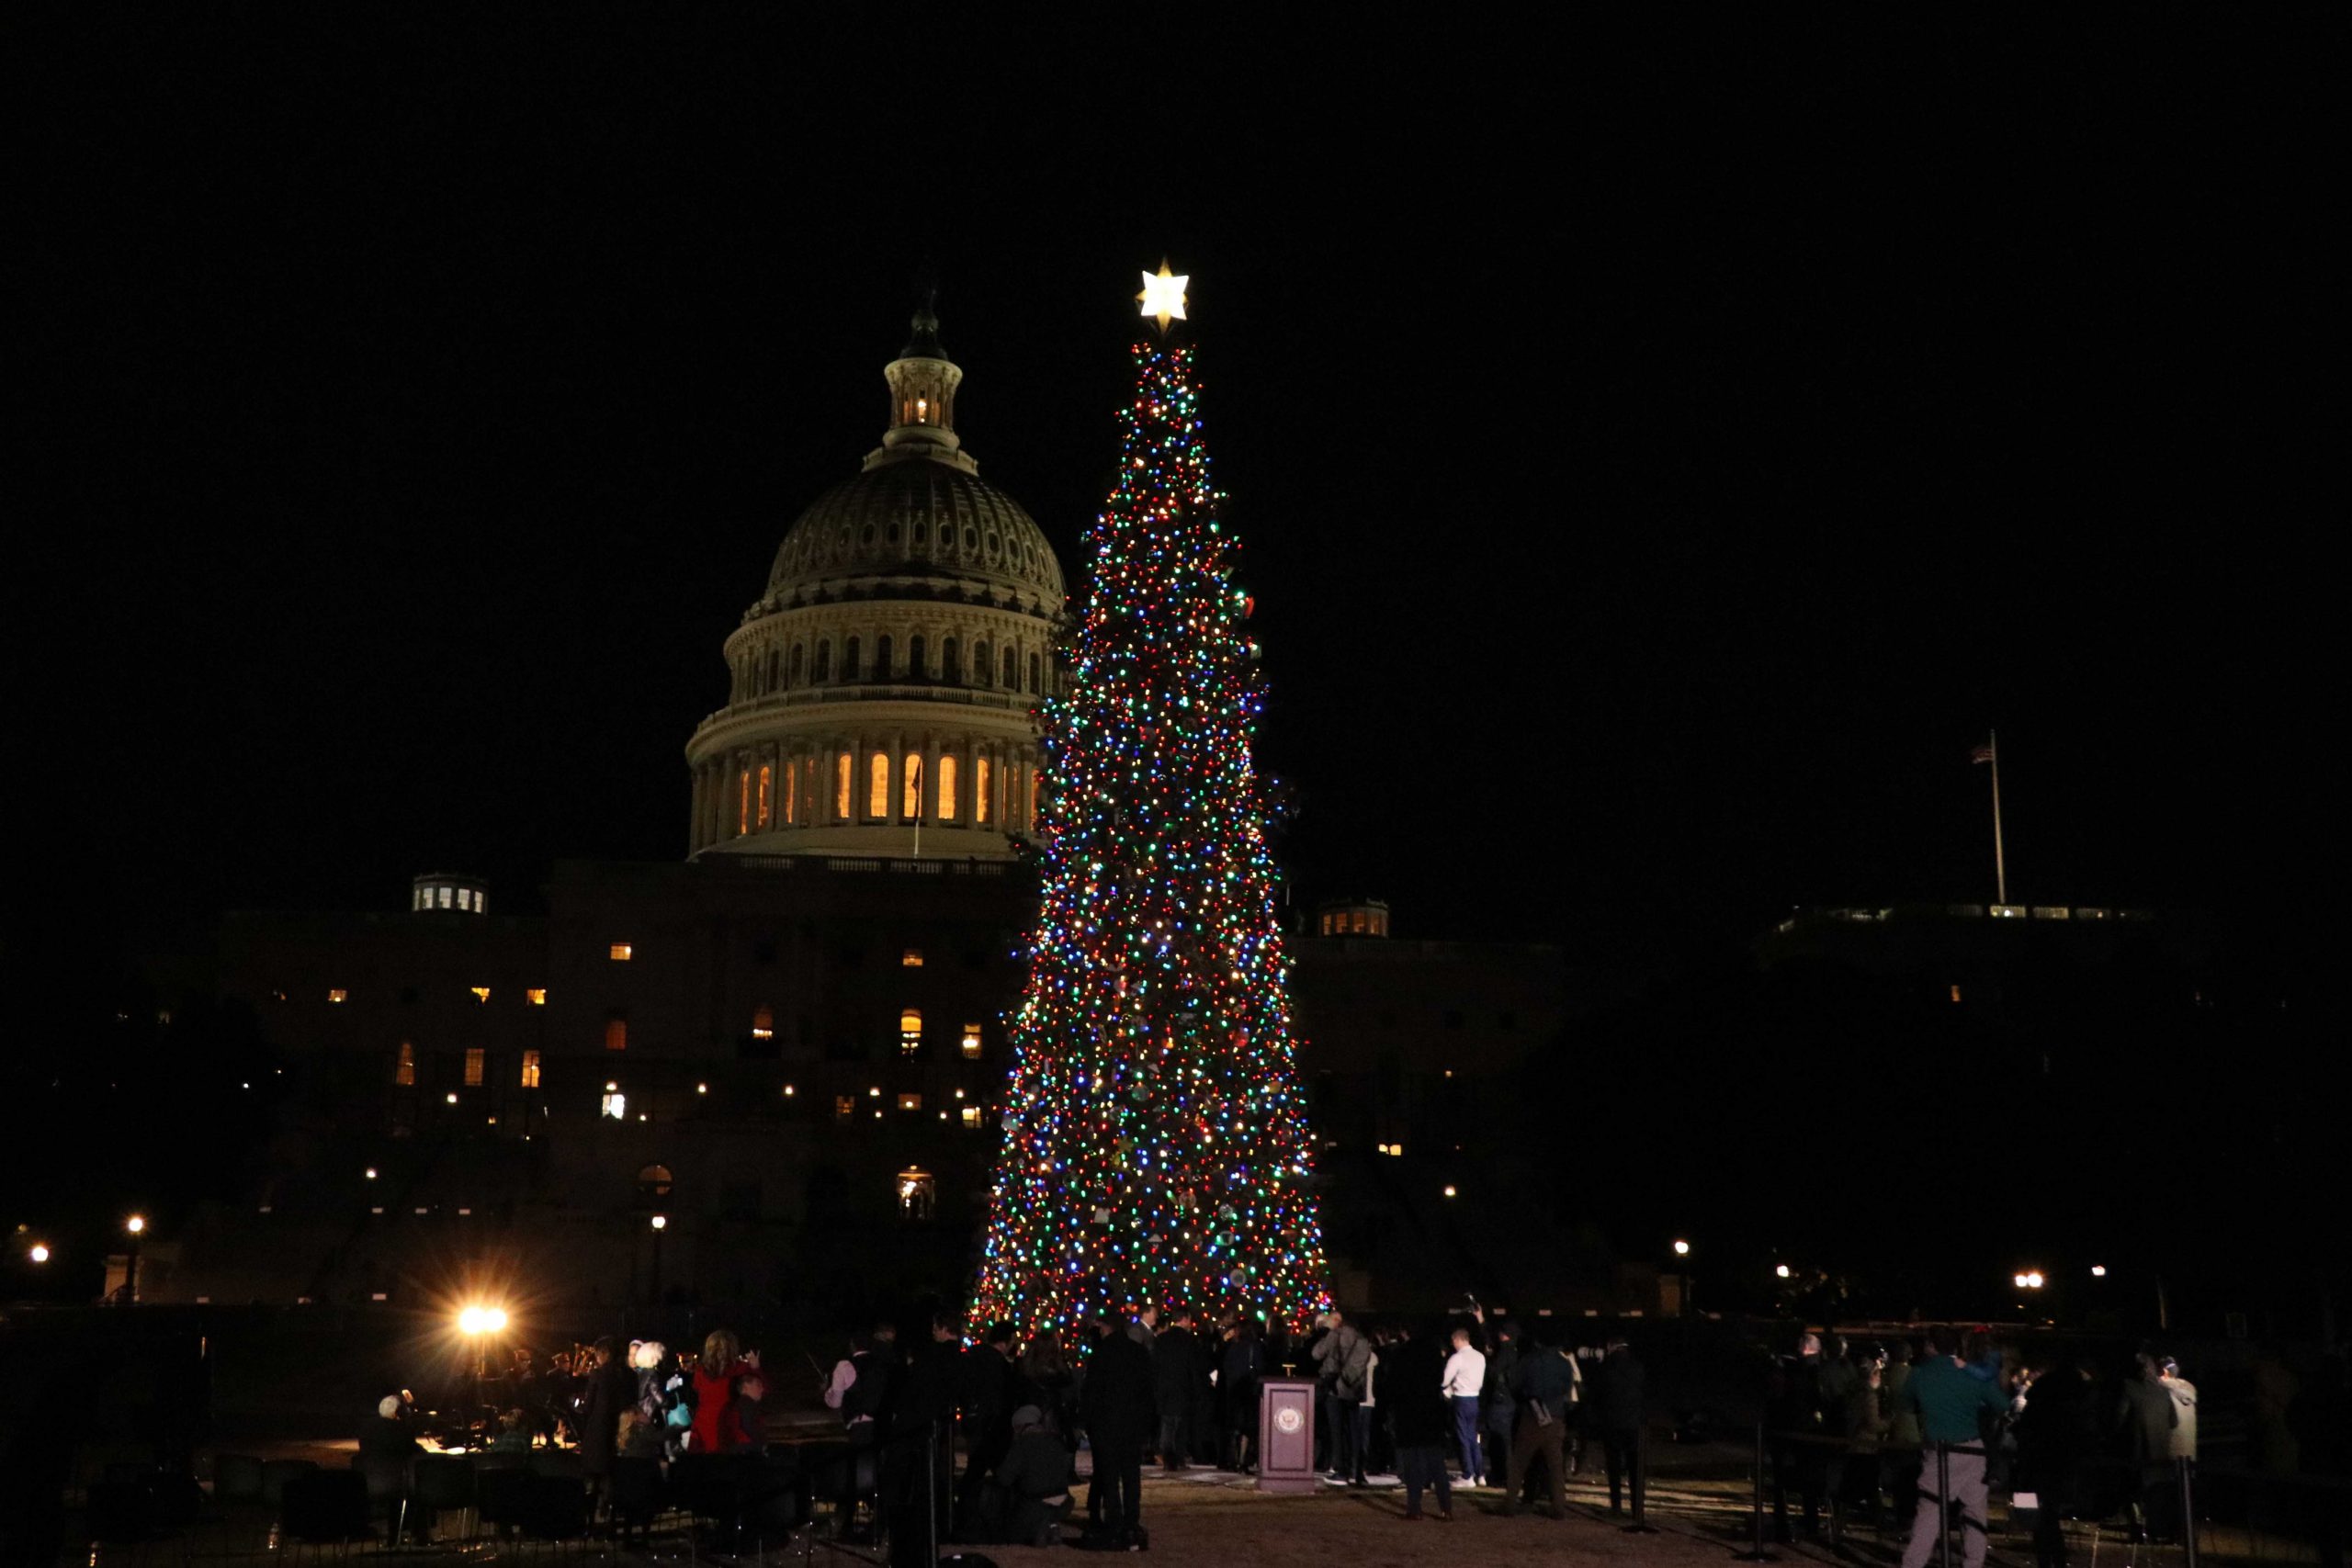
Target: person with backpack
1548 1380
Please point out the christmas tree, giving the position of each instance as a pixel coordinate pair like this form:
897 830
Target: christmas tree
1154 1134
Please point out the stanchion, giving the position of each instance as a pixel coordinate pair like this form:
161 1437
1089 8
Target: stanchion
2188 1515
1943 1505
1756 1552
1634 1465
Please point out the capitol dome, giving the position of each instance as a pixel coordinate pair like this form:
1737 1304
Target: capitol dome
883 687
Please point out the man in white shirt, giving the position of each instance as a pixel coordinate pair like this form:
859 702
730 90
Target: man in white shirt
1465 1372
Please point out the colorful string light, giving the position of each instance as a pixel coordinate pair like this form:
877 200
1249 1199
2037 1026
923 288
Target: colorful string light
1156 1147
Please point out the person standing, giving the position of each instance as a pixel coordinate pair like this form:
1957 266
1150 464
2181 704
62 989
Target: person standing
1420 1419
1240 1364
611 1388
1175 1355
1792 1410
1342 1360
987 1399
1501 1405
1464 1375
1117 1406
727 1393
1953 1406
1615 1406
2057 1433
1546 1380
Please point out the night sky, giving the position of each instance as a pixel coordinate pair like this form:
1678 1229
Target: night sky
1655 466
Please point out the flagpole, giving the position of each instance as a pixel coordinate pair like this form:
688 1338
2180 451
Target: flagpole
2000 866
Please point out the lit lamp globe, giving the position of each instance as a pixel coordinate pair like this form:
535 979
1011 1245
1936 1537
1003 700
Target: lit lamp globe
1682 1249
40 1253
135 1224
660 1222
1780 1273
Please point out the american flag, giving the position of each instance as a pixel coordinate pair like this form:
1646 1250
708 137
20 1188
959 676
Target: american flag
1982 754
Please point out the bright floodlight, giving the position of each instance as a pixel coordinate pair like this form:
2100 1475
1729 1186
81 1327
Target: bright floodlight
1682 1249
493 1319
2033 1279
40 1253
2019 1279
481 1320
469 1321
136 1224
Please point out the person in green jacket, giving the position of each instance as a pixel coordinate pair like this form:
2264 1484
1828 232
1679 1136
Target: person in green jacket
1953 1406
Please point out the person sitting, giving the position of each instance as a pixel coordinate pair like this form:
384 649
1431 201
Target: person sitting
1028 1497
514 1434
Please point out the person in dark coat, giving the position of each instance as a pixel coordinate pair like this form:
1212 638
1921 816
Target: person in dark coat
1615 1401
611 1389
1794 1417
1029 1495
1119 1408
991 1383
386 1449
1498 1411
1241 1362
1175 1358
2057 1433
1420 1419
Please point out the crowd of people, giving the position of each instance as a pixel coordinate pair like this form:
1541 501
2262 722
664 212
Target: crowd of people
1858 1431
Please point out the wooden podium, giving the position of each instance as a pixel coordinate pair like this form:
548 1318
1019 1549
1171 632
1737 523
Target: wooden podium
1287 1435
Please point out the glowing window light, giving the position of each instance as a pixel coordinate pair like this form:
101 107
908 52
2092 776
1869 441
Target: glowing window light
911 798
530 1078
765 777
477 1059
791 795
621 953
481 993
909 1101
972 1042
842 770
337 996
948 807
878 786
971 1116
617 1033
983 809
911 959
918 1190
763 1023
615 1103
404 1065
536 996
843 1107
910 1032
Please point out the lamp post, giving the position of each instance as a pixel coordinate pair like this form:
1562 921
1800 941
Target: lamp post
661 1226
481 1325
137 1226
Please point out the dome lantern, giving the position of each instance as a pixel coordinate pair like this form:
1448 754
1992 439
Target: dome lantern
922 400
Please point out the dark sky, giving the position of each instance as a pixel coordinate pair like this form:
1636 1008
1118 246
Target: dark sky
1656 464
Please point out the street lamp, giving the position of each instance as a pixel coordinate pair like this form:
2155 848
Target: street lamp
2098 1270
1781 1271
137 1225
40 1253
1682 1249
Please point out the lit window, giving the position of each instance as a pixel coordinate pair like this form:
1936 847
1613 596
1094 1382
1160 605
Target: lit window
971 1116
536 996
911 1101
475 1059
445 897
465 898
617 1033
911 959
983 811
530 1069
843 1107
917 1193
791 795
615 1103
765 778
743 803
404 1066
910 1032
972 1042
911 798
481 993
874 1093
877 785
622 953
947 807
842 772
1955 993
338 995
764 1024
